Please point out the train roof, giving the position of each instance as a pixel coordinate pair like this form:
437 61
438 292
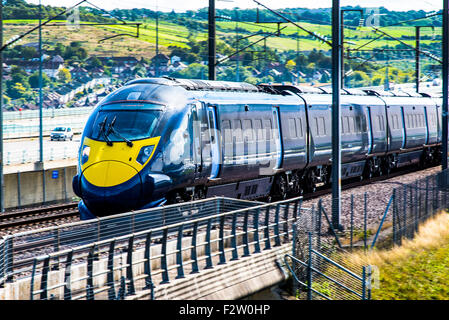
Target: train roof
199 85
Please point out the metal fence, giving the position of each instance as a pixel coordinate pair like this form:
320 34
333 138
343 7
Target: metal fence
324 273
33 155
99 259
20 129
46 113
414 203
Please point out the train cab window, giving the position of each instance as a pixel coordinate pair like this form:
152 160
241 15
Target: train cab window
342 125
292 128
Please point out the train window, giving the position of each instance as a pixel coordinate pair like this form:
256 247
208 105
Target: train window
358 124
237 128
299 127
268 128
396 120
320 126
292 128
226 132
351 124
258 129
342 126
248 130
381 123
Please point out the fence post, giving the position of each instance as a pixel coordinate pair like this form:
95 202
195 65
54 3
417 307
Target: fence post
245 236
427 195
286 209
277 237
110 276
256 231
404 213
235 254
209 264
365 220
164 267
44 278
352 220
221 243
129 268
180 268
193 255
90 279
267 229
309 270
67 277
394 217
294 235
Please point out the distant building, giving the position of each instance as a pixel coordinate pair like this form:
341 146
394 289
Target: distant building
78 72
51 69
161 59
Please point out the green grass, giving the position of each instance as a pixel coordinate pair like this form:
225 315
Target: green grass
422 276
416 270
172 34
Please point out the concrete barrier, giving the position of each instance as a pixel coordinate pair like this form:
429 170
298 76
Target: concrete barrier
38 187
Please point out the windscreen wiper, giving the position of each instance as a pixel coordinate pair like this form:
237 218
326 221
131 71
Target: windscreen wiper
112 129
103 133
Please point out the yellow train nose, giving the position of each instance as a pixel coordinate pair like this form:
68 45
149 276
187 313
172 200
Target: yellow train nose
109 173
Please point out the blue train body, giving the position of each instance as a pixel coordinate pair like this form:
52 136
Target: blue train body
162 140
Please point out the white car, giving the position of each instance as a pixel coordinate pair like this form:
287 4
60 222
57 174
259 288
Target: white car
61 133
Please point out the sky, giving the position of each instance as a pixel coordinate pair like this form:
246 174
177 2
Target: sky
183 5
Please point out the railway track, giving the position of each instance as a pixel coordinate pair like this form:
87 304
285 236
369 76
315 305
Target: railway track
37 215
354 184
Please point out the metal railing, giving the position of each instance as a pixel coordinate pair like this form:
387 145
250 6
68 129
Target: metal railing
144 259
416 202
206 224
23 130
33 155
46 113
323 278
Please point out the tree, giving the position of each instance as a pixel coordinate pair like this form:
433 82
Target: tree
290 65
17 91
64 75
33 80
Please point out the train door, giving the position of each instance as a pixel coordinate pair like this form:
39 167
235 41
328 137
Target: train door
197 141
278 137
214 142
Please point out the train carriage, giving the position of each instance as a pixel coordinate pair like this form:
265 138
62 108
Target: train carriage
165 140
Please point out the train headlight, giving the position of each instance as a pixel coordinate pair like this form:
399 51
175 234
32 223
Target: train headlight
85 154
144 154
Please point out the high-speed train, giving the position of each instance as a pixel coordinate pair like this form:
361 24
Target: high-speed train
165 140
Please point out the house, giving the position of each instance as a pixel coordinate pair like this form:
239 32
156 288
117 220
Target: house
51 69
161 59
177 66
97 72
78 72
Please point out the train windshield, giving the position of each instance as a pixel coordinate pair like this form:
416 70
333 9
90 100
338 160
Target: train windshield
115 125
